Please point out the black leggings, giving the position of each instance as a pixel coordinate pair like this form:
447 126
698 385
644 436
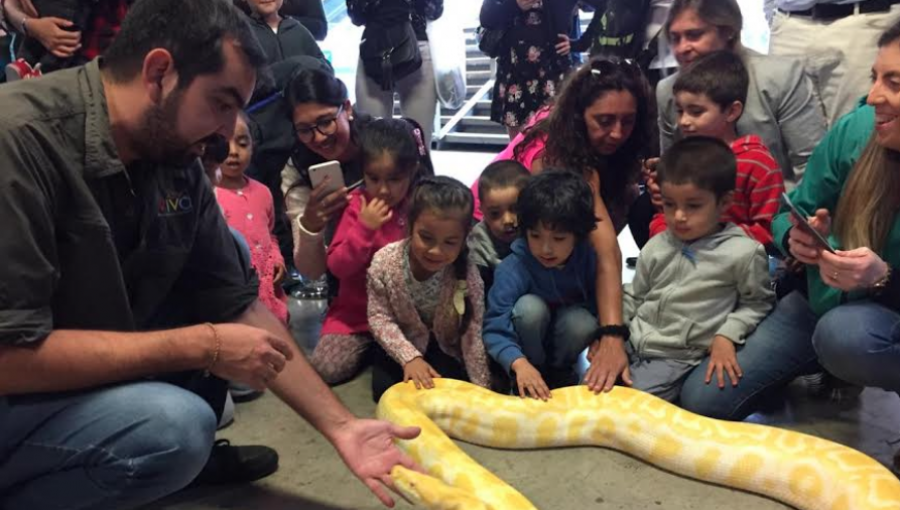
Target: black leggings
386 372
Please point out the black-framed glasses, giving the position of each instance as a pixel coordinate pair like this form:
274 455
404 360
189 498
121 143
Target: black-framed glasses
326 127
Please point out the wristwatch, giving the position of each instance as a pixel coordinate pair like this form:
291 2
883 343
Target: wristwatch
881 284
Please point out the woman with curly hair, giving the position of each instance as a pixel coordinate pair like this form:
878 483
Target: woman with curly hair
602 122
601 126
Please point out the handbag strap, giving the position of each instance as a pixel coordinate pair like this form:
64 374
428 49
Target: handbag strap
387 70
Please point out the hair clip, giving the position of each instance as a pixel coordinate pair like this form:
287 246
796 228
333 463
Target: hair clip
595 72
419 141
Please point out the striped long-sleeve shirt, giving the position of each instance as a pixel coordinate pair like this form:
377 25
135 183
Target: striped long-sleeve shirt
757 193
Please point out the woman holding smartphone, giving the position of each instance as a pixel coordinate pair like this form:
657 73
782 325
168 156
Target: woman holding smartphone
846 318
329 130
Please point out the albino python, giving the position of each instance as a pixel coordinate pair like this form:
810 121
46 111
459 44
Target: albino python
803 471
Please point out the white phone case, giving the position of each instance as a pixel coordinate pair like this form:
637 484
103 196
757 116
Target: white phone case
332 169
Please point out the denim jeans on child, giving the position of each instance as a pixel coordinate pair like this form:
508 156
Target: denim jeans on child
115 447
778 351
553 339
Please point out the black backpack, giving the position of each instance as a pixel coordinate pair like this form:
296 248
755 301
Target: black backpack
389 53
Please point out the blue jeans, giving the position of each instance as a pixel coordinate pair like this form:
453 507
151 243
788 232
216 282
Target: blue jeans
860 343
113 447
779 350
552 340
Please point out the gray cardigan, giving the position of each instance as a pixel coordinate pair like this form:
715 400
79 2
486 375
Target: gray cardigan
684 294
782 109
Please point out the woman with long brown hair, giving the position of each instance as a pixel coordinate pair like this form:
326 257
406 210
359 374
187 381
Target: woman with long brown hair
846 318
600 127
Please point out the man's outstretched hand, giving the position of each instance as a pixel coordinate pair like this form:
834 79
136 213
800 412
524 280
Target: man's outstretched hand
368 449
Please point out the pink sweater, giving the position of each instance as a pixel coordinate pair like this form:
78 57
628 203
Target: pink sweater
529 154
250 211
349 255
399 330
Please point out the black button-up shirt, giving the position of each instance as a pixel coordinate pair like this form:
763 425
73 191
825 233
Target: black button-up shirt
86 243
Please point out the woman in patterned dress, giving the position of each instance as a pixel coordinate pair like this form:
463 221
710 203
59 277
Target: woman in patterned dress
534 56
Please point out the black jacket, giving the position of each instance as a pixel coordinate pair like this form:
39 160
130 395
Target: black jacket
499 14
292 40
310 13
389 12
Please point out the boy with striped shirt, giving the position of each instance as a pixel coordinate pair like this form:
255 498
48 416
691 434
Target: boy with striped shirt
710 96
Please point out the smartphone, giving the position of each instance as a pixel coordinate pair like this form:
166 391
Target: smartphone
331 169
803 224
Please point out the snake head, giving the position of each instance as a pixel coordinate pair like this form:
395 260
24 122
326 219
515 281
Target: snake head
431 493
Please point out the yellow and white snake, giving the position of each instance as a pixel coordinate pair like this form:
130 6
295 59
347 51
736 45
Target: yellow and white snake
803 471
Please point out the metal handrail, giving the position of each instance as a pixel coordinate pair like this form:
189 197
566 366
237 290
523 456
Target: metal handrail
466 108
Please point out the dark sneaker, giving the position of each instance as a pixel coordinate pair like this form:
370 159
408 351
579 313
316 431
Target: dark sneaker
826 386
242 393
237 464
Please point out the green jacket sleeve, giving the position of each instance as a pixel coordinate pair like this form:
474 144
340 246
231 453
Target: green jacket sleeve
827 169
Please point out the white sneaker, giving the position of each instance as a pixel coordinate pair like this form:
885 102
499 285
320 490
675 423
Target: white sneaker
227 412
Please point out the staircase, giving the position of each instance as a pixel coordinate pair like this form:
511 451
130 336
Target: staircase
473 125
470 126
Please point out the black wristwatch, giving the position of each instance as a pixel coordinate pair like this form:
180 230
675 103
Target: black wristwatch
619 330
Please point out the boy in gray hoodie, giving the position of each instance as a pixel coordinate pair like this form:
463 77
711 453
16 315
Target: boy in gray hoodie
701 287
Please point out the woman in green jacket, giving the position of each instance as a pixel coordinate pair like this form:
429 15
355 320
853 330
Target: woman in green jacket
846 319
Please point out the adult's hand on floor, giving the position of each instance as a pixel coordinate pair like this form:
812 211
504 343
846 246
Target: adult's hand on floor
608 361
368 449
248 355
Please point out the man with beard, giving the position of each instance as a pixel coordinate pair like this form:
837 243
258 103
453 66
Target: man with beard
124 301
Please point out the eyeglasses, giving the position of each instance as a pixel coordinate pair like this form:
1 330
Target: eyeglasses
325 127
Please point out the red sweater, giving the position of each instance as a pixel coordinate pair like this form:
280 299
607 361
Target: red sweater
349 255
757 193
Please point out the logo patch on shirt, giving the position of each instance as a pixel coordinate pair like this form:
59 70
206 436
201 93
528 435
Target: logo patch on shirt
175 204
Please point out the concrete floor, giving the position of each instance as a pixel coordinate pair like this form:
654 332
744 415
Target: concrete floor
312 477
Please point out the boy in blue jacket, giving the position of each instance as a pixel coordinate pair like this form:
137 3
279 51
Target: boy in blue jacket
540 310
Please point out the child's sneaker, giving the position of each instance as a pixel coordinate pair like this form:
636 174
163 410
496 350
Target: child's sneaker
826 386
21 70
